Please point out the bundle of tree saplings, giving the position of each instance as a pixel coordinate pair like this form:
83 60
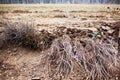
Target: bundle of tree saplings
91 59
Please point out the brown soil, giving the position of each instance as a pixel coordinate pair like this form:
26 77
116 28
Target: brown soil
21 63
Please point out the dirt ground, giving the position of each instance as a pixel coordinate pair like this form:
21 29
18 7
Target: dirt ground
18 63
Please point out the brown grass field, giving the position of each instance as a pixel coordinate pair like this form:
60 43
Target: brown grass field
59 42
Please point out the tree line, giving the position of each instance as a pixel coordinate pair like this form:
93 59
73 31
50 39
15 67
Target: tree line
58 1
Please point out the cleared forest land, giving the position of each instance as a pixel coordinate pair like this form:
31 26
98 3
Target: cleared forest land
59 42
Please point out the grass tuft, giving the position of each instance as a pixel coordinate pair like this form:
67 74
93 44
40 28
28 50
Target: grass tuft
26 36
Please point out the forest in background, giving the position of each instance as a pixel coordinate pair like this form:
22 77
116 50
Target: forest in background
59 1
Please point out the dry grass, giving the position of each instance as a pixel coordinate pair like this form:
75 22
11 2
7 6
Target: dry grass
97 60
21 11
25 35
